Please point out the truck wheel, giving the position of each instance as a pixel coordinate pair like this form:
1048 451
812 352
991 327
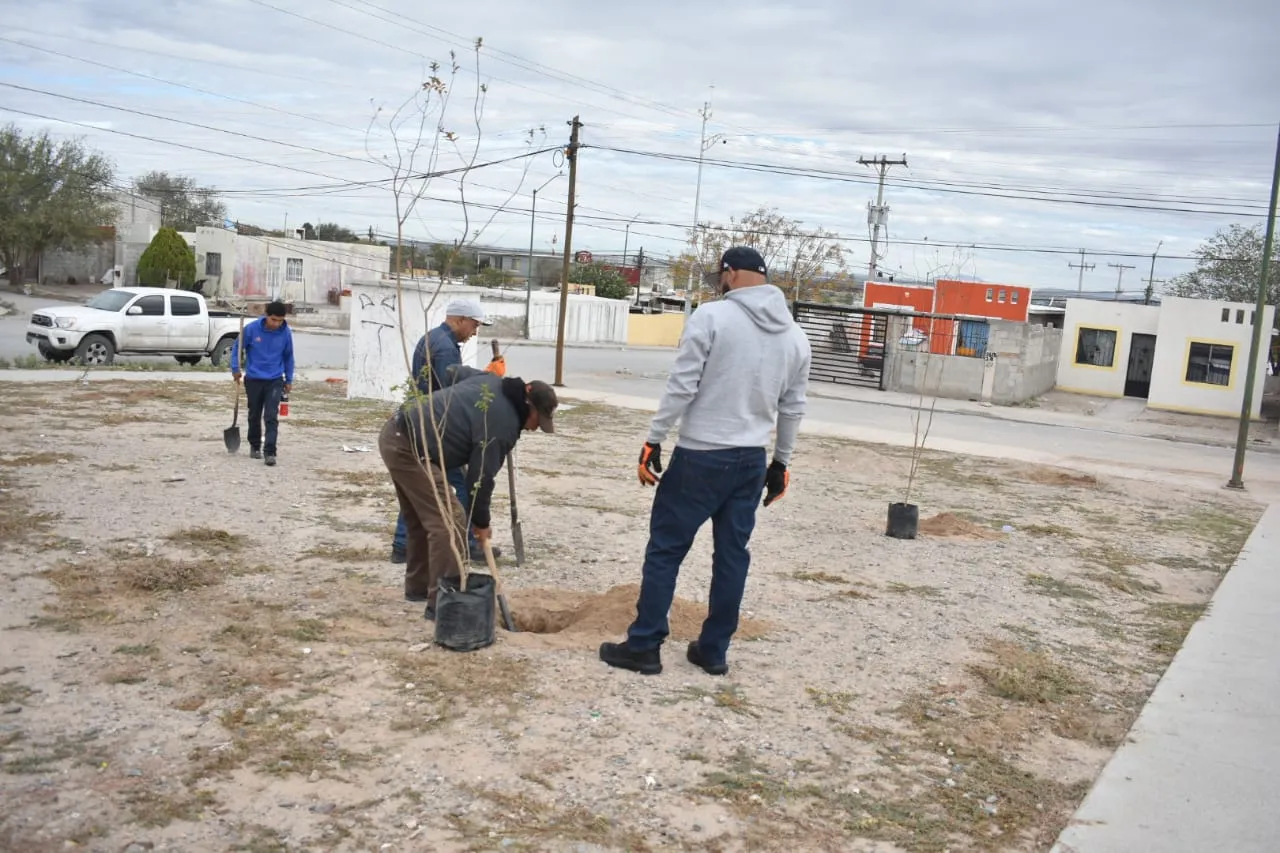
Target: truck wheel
189 360
222 352
96 350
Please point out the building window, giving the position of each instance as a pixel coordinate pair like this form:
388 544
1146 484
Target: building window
184 306
1096 347
293 269
1209 364
990 294
1239 316
1002 295
213 263
1226 315
1013 297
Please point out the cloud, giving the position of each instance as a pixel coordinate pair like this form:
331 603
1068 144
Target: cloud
1140 103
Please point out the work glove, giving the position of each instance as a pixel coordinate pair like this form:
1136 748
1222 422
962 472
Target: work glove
498 367
776 480
650 464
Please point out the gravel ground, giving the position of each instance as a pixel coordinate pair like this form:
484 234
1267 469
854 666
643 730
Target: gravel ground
202 653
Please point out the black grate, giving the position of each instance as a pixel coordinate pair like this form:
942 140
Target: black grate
847 343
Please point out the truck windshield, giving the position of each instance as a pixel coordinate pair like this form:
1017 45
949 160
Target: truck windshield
110 300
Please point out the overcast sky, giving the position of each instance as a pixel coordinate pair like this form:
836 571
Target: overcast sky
1106 109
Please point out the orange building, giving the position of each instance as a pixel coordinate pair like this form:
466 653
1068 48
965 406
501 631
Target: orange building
947 296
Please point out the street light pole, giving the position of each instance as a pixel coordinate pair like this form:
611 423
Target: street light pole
528 276
703 145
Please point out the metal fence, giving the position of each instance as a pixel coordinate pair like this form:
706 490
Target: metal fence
848 343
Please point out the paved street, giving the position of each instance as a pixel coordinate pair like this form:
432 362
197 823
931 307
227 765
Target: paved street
636 377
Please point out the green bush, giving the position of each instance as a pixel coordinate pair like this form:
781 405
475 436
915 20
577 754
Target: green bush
608 282
167 258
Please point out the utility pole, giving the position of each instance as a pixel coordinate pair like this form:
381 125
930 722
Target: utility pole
571 154
1152 281
1251 374
1082 266
703 144
1120 278
878 213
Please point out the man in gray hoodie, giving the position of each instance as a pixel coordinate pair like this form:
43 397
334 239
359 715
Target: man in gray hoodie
741 371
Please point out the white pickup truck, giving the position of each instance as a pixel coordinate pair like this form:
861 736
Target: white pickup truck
135 321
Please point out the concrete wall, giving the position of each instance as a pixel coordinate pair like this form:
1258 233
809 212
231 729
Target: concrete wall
135 221
1021 363
654 330
385 327
1222 324
590 319
1025 360
1124 320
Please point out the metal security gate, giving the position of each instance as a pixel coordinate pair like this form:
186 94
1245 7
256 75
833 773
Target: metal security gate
847 343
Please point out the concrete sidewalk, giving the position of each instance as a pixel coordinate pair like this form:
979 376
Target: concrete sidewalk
1197 772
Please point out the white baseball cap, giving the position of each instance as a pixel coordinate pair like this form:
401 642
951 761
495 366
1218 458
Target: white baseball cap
467 308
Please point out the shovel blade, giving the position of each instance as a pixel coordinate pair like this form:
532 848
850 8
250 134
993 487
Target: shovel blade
507 622
517 539
231 438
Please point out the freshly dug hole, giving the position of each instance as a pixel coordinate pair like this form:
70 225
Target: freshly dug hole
607 615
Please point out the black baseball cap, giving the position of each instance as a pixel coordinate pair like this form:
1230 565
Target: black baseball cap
543 399
743 258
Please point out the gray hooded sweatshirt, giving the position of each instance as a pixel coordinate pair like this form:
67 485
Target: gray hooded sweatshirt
742 369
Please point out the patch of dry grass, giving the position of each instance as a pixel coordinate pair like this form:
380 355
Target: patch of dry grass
818 577
1057 588
1025 675
923 591
32 460
161 805
541 823
208 539
344 553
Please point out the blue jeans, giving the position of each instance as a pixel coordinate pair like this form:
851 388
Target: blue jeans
457 478
725 486
264 406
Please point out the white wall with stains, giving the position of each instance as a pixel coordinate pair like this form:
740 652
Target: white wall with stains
385 328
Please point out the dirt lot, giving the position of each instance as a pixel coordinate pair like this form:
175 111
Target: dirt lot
201 653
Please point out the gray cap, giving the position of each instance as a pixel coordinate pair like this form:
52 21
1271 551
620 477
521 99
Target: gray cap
467 308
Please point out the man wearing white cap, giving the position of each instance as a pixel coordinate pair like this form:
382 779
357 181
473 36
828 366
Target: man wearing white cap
436 362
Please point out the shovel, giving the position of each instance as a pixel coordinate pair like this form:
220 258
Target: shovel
507 622
231 435
517 534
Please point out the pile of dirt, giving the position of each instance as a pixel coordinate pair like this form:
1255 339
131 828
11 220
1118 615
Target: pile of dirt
607 615
946 525
1060 477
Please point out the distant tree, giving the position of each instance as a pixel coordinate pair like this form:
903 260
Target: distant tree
308 233
53 195
184 204
608 282
794 255
335 233
491 277
167 258
1228 268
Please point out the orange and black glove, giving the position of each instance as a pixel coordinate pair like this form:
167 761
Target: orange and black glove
498 367
650 464
776 480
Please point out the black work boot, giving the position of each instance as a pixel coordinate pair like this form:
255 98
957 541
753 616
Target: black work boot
255 454
694 654
399 556
271 459
620 655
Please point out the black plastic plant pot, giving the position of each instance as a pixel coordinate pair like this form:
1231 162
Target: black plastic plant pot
903 521
465 619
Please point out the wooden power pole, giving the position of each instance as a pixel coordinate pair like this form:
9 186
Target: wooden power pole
571 154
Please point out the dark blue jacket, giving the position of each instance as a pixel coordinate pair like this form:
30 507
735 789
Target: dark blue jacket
267 354
442 345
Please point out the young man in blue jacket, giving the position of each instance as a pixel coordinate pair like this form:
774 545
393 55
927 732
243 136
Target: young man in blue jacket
268 375
741 372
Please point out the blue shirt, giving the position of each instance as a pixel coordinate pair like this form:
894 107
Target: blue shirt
442 344
267 354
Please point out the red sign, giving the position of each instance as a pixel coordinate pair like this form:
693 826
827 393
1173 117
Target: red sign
582 257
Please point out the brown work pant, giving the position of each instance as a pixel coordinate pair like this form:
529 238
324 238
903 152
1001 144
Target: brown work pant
434 521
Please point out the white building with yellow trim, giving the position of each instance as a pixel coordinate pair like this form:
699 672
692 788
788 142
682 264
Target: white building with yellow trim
1184 355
